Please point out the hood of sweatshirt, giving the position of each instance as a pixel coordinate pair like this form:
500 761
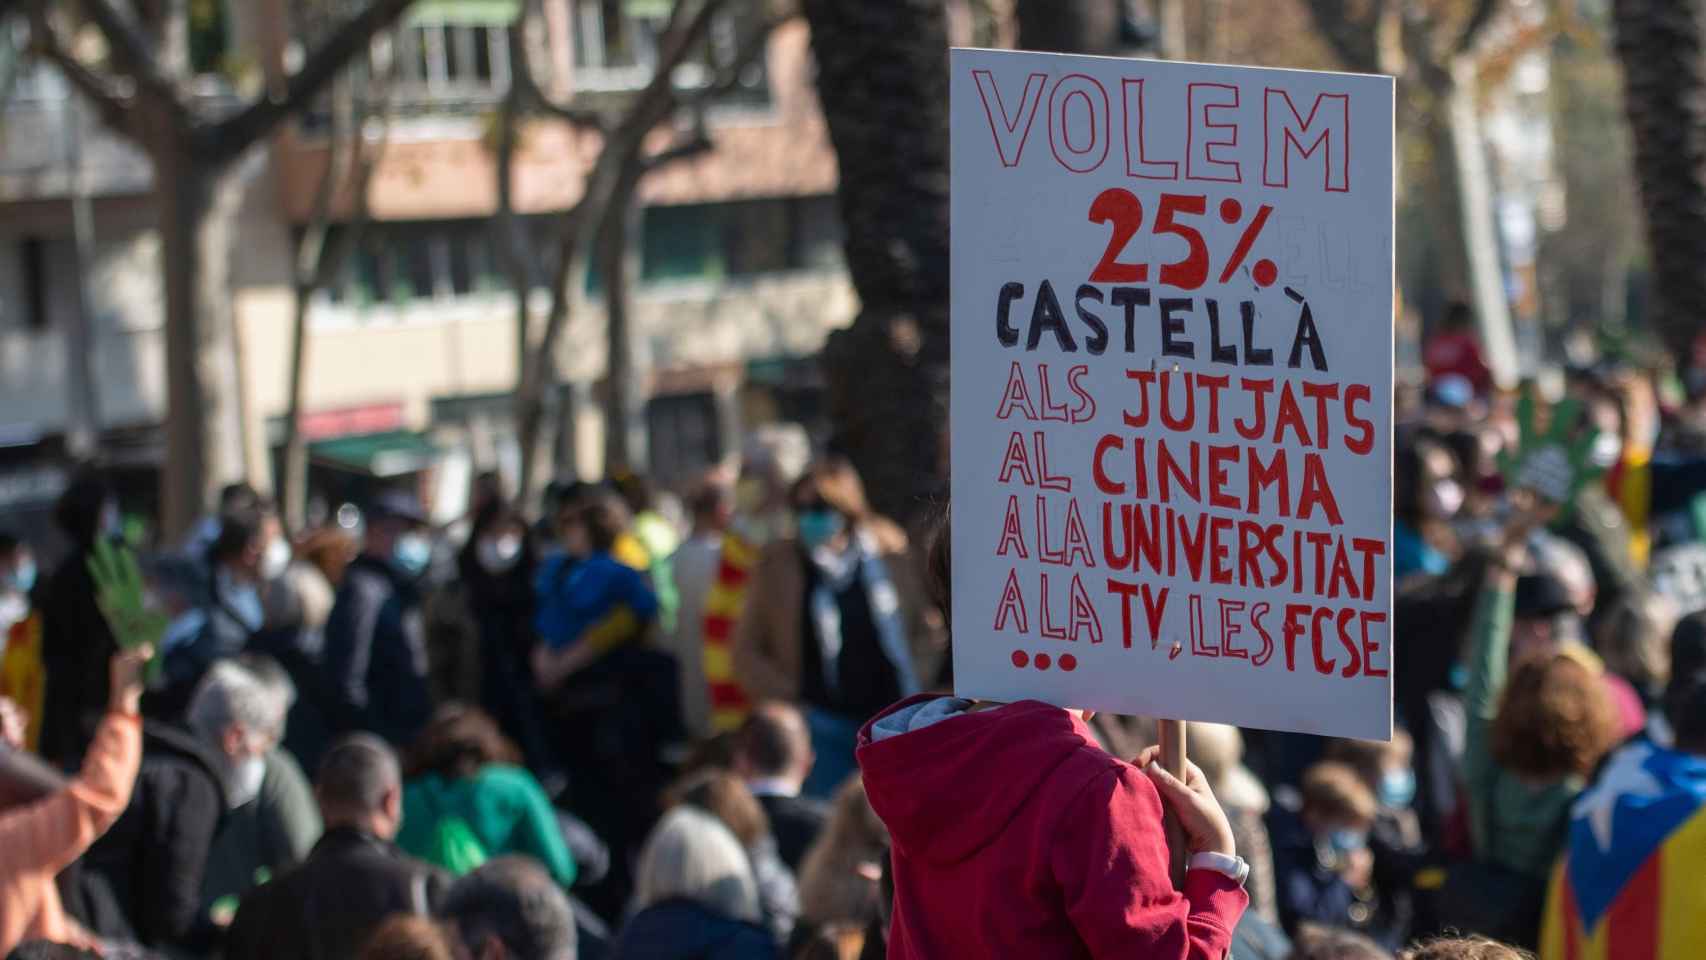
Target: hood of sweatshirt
947 780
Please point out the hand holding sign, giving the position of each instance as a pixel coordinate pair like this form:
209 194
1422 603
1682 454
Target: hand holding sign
122 600
1555 465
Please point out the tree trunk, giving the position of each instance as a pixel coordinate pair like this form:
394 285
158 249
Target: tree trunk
1662 44
615 267
1070 26
883 82
182 192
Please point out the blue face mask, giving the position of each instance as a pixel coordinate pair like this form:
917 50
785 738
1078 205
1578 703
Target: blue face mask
818 527
1346 840
1398 788
412 552
23 579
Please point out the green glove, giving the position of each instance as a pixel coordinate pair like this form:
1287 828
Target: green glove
121 598
1558 464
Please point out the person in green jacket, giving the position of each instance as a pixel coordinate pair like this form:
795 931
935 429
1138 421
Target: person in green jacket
1538 716
466 799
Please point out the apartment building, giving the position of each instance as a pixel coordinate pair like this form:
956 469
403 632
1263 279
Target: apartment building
413 347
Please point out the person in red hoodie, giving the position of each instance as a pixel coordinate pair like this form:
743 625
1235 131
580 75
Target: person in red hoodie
1015 835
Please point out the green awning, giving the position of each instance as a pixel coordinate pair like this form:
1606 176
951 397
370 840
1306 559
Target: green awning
389 454
499 13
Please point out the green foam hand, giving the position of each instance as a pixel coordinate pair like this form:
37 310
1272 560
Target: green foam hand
122 599
1556 464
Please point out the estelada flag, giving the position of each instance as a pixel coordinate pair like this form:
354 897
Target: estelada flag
1630 885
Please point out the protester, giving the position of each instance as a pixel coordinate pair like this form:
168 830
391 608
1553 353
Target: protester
1395 839
39 839
467 799
694 569
1218 749
658 536
1463 948
272 821
406 937
76 642
843 610
1530 742
963 787
510 909
1322 862
588 602
1426 495
17 580
773 754
839 877
695 895
1455 349
1629 877
230 612
150 865
301 597
497 567
772 459
1634 641
353 879
1324 943
375 648
725 797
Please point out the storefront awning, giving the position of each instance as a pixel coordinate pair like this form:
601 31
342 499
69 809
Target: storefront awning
491 13
390 454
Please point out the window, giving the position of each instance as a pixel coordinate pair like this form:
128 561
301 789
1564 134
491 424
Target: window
616 48
400 263
683 437
451 64
739 239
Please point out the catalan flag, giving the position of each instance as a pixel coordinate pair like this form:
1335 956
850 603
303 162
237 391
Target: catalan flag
1632 882
729 703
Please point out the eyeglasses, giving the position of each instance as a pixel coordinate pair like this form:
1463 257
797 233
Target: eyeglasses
817 504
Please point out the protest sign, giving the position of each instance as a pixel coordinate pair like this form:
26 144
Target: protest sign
1172 389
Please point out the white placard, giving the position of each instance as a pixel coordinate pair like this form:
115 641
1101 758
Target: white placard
1172 389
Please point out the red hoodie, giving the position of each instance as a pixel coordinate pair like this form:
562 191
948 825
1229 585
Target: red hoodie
1015 835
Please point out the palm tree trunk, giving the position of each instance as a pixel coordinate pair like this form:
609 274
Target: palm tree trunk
883 82
1662 44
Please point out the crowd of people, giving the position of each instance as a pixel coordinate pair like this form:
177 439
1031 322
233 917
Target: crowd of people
629 726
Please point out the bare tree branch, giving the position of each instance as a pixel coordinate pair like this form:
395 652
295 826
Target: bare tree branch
1353 38
693 146
524 87
752 47
1479 17
222 141
112 105
133 52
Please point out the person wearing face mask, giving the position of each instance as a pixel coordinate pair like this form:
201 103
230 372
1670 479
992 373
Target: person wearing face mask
1323 867
497 565
225 613
375 641
1395 839
833 619
76 642
271 821
1425 498
17 579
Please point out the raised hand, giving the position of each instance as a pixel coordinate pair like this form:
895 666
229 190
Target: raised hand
1557 464
120 595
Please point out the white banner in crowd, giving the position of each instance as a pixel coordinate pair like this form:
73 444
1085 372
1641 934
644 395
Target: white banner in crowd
1172 389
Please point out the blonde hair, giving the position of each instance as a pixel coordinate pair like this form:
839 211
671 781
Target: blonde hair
692 856
833 884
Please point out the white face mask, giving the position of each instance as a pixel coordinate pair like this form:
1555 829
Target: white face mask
1447 497
499 554
244 783
275 560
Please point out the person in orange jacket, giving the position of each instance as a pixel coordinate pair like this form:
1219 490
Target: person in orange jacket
39 839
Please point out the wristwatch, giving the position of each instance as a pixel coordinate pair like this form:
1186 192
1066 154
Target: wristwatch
1235 869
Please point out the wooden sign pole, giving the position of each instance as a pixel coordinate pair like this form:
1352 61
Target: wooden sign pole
1173 761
